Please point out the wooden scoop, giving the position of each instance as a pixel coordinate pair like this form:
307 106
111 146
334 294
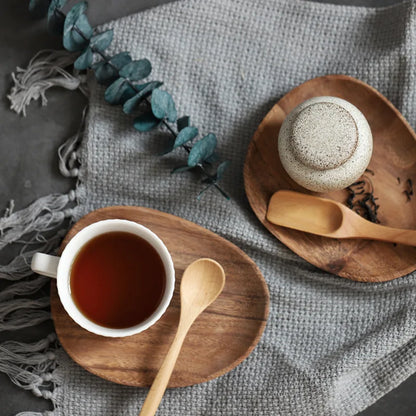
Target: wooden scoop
329 218
202 282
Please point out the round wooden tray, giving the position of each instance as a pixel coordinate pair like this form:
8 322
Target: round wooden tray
394 156
220 339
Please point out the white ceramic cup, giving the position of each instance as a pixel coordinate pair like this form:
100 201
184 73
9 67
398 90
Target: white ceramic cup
60 268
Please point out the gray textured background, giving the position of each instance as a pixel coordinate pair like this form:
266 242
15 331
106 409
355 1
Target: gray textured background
28 166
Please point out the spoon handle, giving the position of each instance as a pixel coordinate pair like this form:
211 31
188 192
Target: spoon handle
160 383
393 235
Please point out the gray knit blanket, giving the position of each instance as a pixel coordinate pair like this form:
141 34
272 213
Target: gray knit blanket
331 346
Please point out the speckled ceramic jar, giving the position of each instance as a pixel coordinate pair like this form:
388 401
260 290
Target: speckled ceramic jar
325 144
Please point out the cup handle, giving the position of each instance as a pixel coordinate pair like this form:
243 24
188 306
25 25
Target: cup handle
45 264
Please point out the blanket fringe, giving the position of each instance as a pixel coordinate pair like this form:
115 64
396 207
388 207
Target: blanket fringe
39 227
17 289
19 267
30 227
43 215
31 366
22 313
67 152
45 70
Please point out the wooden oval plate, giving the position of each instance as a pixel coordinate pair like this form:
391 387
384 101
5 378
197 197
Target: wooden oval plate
394 157
220 339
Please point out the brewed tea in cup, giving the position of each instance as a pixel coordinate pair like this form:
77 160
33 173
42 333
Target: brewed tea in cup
115 277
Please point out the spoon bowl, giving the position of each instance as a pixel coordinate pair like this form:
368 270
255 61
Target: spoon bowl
202 282
329 218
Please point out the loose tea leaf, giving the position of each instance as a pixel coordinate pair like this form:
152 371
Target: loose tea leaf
136 70
144 91
146 122
163 105
202 149
361 199
185 135
102 41
409 191
84 61
77 30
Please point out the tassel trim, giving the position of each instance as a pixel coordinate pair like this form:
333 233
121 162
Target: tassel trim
45 70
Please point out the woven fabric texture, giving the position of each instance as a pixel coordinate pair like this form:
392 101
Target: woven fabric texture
331 346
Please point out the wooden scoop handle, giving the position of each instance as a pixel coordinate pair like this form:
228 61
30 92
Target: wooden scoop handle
383 233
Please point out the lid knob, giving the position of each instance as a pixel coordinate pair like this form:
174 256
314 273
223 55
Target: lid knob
324 136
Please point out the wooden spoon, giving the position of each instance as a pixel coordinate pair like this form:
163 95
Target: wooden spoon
202 282
329 218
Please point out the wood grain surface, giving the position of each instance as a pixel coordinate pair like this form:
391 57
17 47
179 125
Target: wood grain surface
394 156
220 339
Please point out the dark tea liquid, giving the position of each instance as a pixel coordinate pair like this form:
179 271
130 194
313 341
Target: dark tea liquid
117 280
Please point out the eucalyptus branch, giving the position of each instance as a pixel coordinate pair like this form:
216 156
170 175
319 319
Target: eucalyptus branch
120 73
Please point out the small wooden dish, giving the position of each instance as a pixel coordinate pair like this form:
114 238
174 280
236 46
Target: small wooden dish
394 157
220 339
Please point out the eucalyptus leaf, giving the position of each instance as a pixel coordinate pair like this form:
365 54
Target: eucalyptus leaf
56 18
163 105
128 92
106 73
114 92
185 135
180 169
55 4
121 59
101 41
143 91
136 70
213 158
183 122
83 31
221 169
202 149
84 61
77 30
146 122
119 92
168 148
39 8
76 11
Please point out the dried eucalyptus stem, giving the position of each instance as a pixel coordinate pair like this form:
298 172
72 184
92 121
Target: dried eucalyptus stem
120 74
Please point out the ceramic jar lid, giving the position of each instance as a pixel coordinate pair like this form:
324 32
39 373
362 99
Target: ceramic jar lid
325 144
